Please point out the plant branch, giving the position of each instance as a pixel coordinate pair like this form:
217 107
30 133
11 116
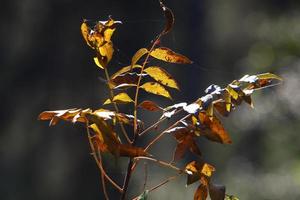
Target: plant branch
116 106
99 164
164 132
162 163
135 129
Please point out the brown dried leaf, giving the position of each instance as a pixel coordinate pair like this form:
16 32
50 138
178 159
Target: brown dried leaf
71 115
124 70
214 130
149 105
167 55
126 78
201 192
169 16
162 76
156 88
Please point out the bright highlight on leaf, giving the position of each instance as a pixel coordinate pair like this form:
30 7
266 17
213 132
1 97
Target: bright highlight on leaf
162 76
167 55
156 88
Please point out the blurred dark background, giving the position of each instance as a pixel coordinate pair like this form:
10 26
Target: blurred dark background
46 65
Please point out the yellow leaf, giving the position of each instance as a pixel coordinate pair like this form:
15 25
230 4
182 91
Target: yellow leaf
85 31
98 63
269 76
156 88
122 98
232 92
168 55
124 70
227 98
107 101
161 76
137 56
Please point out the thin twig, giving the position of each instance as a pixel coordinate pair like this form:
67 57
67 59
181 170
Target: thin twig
103 178
160 184
162 163
116 107
135 129
102 170
164 132
146 175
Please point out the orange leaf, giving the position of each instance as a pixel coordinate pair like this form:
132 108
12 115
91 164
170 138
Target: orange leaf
214 130
149 105
197 170
71 115
167 55
201 193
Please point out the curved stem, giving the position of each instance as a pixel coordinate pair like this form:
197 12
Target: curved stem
99 164
164 132
135 129
116 106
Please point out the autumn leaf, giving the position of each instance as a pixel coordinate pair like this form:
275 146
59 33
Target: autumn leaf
167 55
149 105
126 78
122 98
137 56
156 88
201 192
186 141
171 110
161 76
197 170
97 62
124 70
169 16
71 115
109 141
214 130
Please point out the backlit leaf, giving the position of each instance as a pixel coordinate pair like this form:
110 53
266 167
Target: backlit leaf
85 31
214 130
98 63
71 115
126 78
124 70
167 55
162 76
227 98
149 105
107 101
137 56
269 76
196 170
232 92
201 192
156 88
122 98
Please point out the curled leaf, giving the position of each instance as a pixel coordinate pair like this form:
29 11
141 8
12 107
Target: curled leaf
156 88
149 105
137 56
169 16
162 76
167 55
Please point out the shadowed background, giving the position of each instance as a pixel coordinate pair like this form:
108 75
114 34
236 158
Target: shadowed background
46 65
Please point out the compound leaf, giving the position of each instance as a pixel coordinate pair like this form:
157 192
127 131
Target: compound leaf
167 55
161 76
156 88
